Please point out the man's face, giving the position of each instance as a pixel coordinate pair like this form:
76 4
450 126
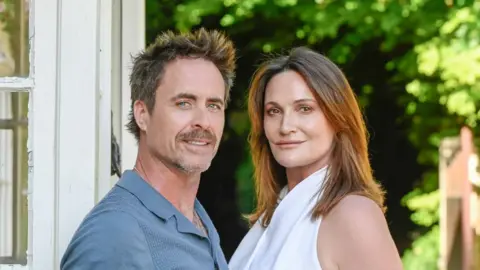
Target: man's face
186 124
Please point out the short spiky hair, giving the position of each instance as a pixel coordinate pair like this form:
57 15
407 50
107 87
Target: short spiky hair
149 65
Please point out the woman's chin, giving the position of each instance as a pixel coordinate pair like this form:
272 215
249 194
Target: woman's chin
290 162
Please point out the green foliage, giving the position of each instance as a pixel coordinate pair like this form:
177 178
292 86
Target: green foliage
447 77
245 189
424 253
425 207
435 51
8 10
425 249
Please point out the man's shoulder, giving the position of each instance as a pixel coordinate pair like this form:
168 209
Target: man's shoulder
117 213
108 223
118 202
102 237
118 199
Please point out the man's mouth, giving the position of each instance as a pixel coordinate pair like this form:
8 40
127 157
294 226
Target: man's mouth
199 143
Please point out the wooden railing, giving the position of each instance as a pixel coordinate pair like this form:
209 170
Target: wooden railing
459 203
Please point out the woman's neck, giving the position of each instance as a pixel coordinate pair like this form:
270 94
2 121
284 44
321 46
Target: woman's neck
298 174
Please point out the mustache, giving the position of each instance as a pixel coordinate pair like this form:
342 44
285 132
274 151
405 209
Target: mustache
198 134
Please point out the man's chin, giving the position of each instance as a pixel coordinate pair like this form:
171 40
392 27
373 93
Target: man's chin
194 168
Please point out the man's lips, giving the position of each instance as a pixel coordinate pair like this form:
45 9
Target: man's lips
198 142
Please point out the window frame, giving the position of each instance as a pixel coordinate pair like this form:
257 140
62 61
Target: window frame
18 125
75 62
17 84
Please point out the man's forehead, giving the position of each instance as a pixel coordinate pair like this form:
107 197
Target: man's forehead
201 79
191 68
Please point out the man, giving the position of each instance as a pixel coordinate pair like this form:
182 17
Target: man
151 219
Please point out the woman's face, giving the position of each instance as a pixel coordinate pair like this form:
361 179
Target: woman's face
296 128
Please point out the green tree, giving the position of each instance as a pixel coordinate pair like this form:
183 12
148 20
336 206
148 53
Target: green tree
435 53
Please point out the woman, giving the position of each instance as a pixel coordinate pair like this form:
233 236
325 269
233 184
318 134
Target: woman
318 206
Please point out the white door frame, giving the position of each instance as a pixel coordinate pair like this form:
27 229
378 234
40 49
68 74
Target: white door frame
73 81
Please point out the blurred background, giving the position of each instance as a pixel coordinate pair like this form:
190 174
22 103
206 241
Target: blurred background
414 65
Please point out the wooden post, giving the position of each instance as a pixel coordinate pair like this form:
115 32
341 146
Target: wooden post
459 204
466 141
449 204
474 176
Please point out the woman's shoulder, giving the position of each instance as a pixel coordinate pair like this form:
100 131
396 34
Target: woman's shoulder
357 226
356 215
359 207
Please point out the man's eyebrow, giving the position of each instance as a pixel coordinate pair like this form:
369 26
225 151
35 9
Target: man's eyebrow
216 100
195 98
184 96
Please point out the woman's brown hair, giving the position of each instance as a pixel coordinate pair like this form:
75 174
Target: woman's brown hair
349 170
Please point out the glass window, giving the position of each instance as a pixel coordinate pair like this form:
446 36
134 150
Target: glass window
14 62
14 41
13 177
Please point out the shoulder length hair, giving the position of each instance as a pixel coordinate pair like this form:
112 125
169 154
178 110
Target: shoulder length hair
349 170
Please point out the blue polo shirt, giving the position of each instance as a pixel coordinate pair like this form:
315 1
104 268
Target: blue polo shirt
135 227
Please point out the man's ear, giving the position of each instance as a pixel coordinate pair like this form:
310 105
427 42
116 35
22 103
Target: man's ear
140 112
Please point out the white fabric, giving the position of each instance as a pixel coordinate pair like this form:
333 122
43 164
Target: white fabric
290 240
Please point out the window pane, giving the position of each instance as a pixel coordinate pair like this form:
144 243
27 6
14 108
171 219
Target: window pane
13 177
14 45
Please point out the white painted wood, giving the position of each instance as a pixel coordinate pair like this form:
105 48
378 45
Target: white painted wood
16 84
133 40
117 68
77 117
42 134
75 66
6 177
105 103
14 267
117 76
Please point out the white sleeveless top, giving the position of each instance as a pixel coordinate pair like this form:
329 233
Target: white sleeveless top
290 240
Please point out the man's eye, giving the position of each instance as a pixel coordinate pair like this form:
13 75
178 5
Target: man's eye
214 106
183 104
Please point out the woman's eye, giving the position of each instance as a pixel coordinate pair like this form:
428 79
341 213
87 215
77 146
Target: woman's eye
273 111
305 109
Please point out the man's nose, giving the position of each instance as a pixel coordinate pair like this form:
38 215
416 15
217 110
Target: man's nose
202 118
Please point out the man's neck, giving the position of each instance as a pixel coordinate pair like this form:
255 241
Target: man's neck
179 188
